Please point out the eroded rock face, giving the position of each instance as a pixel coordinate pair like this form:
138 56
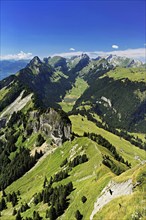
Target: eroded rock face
52 124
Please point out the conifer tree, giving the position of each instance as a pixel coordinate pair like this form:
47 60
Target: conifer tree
14 212
52 213
3 204
78 215
18 216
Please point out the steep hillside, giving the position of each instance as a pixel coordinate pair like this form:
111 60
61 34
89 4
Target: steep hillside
89 178
24 129
118 96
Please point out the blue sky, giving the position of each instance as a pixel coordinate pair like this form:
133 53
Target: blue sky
45 28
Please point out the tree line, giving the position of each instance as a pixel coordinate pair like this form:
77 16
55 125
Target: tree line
12 170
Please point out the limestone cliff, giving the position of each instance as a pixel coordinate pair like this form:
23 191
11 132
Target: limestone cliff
52 124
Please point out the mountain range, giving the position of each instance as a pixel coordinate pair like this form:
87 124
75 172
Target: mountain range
113 92
72 139
8 67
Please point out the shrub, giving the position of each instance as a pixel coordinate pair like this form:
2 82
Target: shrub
64 163
84 199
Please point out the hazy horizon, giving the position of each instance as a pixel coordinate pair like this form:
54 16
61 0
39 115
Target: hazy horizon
47 28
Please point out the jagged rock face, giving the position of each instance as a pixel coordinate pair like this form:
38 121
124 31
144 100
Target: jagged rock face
123 61
36 67
51 124
35 61
77 63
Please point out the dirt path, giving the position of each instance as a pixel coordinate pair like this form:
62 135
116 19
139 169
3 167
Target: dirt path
110 192
86 177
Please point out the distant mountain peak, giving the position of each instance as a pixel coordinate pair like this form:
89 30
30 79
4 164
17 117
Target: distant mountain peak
123 61
35 61
111 56
84 55
97 58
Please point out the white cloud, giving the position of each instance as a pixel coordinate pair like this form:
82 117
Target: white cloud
72 49
20 56
68 54
145 44
139 53
115 46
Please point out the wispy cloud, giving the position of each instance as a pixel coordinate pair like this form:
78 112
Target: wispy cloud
139 53
72 49
68 54
20 56
114 46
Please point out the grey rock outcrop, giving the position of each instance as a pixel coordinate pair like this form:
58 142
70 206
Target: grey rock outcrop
52 124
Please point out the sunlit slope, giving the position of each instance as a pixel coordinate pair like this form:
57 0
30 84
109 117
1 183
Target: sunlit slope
88 178
133 74
72 95
126 149
82 176
3 92
131 206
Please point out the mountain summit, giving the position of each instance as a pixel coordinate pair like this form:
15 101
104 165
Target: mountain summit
35 61
123 61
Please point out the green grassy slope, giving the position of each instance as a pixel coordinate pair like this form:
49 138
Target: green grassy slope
126 149
73 94
88 178
132 206
133 74
3 93
32 182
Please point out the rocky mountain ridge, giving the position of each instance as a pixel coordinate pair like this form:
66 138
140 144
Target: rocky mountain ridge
123 61
8 67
